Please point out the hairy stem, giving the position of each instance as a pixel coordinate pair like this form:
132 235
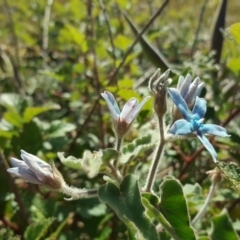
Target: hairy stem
155 163
117 147
77 193
205 205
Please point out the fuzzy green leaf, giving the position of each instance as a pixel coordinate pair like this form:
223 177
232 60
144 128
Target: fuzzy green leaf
32 112
222 227
126 202
109 154
232 173
174 208
136 147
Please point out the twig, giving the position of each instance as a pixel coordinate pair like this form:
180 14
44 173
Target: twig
81 127
46 20
206 203
203 8
22 209
109 30
16 60
155 164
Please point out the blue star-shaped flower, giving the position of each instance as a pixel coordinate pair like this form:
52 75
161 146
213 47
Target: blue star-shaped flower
193 121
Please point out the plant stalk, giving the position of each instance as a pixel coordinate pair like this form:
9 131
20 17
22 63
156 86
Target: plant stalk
155 163
205 205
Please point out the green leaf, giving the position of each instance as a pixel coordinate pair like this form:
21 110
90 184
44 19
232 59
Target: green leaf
32 112
72 34
70 161
14 118
136 147
122 42
38 230
174 208
9 100
90 162
156 214
57 232
222 227
235 32
30 139
126 202
232 173
234 65
109 154
156 57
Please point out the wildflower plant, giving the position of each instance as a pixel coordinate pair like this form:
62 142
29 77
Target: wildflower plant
142 208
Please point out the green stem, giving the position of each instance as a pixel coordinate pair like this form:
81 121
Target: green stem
155 163
77 193
205 205
118 146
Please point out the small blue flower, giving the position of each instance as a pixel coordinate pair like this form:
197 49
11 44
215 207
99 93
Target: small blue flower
122 119
193 121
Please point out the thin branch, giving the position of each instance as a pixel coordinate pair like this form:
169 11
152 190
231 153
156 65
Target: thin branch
109 30
22 209
203 210
81 127
155 163
15 61
45 26
203 8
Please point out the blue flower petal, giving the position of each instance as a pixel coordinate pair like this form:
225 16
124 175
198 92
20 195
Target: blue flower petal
199 108
112 104
180 103
190 97
213 129
181 127
207 145
183 90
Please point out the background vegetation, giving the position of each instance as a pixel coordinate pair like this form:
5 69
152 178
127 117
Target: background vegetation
56 57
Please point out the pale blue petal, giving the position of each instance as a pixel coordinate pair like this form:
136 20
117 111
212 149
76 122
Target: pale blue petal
199 89
112 104
180 82
40 170
128 110
190 97
181 127
207 145
18 163
185 86
180 103
40 162
139 107
25 174
214 130
199 108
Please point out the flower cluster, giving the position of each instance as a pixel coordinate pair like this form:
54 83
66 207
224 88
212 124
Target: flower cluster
192 122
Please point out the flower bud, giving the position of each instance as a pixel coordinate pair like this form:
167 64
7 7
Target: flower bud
33 169
158 86
123 120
